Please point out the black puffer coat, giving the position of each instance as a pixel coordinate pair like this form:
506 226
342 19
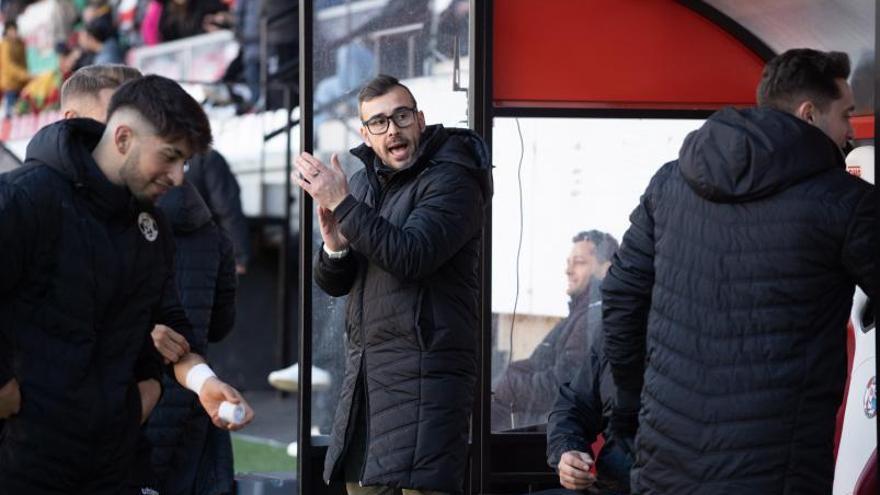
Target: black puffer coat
729 298
413 310
212 177
85 269
189 455
581 412
526 390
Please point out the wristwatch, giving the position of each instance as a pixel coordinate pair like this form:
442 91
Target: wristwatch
335 255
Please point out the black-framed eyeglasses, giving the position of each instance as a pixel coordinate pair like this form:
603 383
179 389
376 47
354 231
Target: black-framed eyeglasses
402 117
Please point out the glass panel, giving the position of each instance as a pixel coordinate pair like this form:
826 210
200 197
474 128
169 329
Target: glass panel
557 180
412 40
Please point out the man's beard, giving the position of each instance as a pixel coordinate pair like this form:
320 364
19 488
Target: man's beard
135 182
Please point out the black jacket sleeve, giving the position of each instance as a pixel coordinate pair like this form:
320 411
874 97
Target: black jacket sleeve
18 230
170 311
531 384
861 245
448 213
576 418
221 192
149 364
335 276
223 310
626 302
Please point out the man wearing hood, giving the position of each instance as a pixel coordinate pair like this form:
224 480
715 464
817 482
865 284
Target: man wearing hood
726 306
402 240
525 391
89 271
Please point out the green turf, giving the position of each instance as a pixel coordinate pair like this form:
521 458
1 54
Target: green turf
254 457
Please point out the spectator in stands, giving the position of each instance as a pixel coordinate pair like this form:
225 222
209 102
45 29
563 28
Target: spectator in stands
149 29
90 256
11 9
579 415
99 38
523 394
726 307
13 66
185 18
355 65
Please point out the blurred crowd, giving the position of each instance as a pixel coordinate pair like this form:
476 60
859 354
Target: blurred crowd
44 41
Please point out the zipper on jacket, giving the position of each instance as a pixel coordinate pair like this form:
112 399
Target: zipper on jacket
363 372
366 392
380 198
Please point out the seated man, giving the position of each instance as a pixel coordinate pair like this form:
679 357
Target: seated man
524 393
580 414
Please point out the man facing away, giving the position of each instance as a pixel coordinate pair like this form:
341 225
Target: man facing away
90 272
727 304
524 393
402 239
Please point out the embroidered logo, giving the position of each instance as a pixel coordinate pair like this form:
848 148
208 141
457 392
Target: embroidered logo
870 400
148 227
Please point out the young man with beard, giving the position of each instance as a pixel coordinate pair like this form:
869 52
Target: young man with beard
89 272
402 240
726 307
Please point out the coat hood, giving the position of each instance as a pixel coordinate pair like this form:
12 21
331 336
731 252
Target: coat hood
66 147
744 155
441 146
185 208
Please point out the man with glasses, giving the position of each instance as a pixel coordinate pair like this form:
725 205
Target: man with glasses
402 240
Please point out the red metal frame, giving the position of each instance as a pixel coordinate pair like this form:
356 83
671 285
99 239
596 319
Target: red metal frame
617 54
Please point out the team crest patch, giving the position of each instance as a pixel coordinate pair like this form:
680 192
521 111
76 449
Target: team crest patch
870 400
148 227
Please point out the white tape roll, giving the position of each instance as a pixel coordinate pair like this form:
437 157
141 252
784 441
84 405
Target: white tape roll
231 413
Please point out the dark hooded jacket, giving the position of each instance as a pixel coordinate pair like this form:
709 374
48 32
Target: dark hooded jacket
526 390
728 301
189 455
581 412
210 174
413 286
87 274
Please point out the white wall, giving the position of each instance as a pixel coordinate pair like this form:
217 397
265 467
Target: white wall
577 174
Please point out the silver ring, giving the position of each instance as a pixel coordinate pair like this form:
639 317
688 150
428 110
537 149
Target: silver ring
316 173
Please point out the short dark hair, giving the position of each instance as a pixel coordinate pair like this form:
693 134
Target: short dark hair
606 244
91 79
11 24
800 74
380 85
101 28
172 111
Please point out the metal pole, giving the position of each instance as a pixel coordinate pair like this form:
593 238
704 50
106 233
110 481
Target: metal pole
304 460
480 119
876 238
